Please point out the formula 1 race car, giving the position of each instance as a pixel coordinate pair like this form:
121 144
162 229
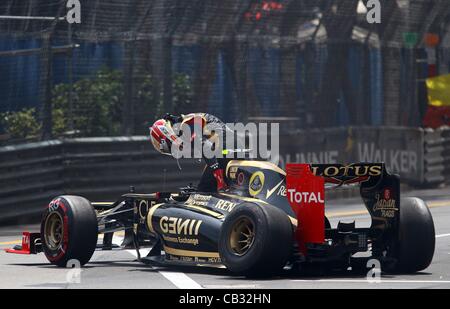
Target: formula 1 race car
267 220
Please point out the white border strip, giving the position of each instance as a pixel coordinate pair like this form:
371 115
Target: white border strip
442 235
366 281
180 280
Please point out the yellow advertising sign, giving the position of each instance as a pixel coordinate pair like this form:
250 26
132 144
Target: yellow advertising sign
439 90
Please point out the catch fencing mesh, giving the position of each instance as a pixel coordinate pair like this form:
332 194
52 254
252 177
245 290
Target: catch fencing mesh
304 63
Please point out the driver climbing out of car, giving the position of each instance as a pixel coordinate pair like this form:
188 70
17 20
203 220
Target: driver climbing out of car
200 130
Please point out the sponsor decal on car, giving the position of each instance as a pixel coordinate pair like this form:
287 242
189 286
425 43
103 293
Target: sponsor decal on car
181 240
210 260
225 205
179 226
353 170
197 256
305 197
281 190
199 200
385 204
346 174
180 230
142 209
256 183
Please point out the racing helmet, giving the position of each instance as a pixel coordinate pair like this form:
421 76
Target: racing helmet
162 136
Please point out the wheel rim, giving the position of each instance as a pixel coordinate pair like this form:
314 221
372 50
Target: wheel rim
54 231
242 236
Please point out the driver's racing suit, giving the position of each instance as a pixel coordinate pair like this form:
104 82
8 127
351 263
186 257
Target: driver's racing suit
213 175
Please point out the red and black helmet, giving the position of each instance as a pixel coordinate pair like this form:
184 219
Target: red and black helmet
162 136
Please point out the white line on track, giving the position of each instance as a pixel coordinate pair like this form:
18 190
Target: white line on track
366 281
180 280
442 235
183 281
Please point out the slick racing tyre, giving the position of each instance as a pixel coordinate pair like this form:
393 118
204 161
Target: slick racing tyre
415 248
255 240
69 230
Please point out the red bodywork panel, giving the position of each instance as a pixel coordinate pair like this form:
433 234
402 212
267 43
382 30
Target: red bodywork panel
306 195
28 244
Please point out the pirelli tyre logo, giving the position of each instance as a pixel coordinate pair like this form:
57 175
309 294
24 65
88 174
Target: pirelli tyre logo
180 226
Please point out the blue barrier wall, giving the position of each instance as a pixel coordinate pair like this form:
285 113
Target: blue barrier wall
20 76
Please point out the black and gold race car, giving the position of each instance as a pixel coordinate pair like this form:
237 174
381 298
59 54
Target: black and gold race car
267 220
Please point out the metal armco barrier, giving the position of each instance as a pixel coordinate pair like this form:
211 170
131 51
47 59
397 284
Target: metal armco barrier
437 156
102 169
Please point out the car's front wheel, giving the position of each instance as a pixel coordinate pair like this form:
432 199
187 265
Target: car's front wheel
69 230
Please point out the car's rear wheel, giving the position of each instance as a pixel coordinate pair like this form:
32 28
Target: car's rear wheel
414 249
256 240
69 230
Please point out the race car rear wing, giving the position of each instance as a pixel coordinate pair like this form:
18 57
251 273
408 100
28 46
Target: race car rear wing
348 174
380 192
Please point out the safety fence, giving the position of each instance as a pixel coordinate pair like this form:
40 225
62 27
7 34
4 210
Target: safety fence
437 155
104 168
130 61
402 149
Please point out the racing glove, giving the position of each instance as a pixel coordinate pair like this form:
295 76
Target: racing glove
218 174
